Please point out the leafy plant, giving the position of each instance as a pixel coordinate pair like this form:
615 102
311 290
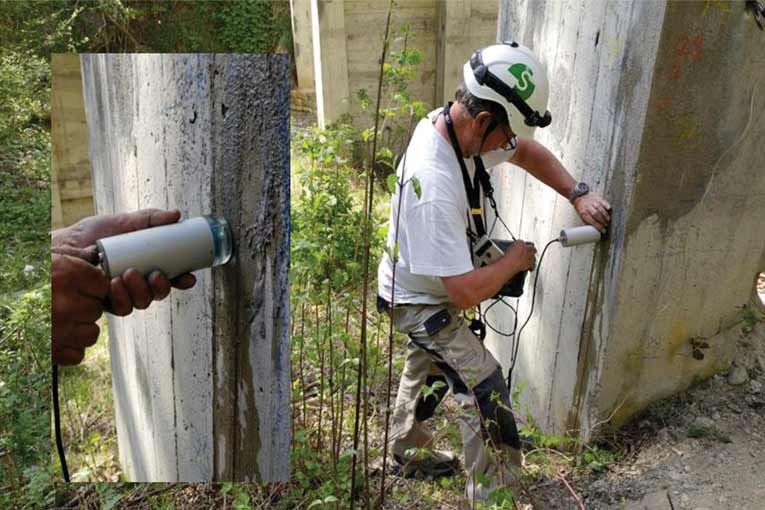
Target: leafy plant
398 110
598 459
255 26
751 316
501 498
431 391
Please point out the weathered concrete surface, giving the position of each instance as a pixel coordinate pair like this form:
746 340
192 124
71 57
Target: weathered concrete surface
656 106
463 27
694 237
201 380
72 191
302 43
347 37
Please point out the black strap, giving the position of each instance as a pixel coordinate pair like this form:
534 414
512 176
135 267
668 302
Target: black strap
480 179
484 77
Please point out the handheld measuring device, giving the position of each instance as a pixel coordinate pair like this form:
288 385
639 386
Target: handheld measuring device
487 251
173 249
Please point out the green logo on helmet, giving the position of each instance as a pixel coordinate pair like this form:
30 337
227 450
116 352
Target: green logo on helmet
523 74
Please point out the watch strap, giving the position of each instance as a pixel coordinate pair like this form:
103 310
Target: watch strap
580 189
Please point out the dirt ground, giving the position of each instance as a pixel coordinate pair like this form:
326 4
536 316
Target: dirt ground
701 450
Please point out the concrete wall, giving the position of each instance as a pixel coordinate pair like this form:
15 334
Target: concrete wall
463 27
201 380
72 191
346 38
639 113
693 238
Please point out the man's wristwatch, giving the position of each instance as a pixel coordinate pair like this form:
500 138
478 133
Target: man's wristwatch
580 189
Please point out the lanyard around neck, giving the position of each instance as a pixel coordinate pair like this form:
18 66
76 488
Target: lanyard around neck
473 190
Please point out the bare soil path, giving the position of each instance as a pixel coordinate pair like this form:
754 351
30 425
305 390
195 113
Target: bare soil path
701 450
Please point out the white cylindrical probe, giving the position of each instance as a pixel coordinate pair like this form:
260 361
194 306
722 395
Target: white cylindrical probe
174 249
579 235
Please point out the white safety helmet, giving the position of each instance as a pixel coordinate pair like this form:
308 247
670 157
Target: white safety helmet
510 74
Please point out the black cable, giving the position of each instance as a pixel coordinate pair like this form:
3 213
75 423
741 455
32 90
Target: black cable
497 217
488 325
506 227
531 312
57 425
482 316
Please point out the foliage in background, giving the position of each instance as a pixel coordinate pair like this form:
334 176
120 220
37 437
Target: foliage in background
326 214
24 266
89 429
255 26
326 275
24 388
244 26
398 109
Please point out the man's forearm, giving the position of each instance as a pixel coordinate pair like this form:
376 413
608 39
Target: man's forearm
469 289
544 166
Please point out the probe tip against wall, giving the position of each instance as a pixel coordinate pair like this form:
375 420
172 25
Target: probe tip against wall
580 235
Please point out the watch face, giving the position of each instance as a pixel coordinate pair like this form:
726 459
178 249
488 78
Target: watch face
582 188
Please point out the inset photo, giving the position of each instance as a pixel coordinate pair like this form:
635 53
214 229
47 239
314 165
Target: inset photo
170 259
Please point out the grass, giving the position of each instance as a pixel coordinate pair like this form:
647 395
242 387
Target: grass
88 422
751 316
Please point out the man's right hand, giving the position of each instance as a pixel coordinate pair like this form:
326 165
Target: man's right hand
79 292
78 287
469 289
523 254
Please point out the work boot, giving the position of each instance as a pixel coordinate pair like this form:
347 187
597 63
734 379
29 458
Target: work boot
426 464
436 464
493 469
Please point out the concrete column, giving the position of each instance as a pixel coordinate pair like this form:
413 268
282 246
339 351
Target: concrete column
464 26
330 59
72 192
636 100
56 213
302 41
201 380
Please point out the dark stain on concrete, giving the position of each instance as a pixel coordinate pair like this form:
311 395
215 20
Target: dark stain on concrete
231 111
252 190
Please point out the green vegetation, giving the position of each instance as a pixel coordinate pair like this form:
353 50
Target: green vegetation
751 315
24 274
88 426
245 26
333 223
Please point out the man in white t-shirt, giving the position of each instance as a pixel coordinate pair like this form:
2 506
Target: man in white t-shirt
496 109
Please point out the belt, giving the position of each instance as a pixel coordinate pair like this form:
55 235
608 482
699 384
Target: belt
476 325
382 304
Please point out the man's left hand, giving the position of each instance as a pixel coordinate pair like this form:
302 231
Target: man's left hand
593 210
